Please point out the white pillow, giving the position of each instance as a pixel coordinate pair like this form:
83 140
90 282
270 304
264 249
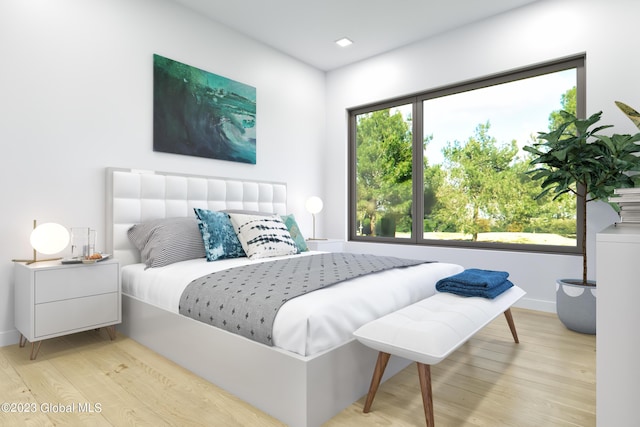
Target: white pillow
263 236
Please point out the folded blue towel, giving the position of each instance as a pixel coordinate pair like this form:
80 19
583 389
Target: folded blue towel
474 282
471 291
478 278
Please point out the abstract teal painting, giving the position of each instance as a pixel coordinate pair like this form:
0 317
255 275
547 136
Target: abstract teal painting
198 113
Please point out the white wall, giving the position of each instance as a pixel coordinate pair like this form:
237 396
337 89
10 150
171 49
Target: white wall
537 33
76 97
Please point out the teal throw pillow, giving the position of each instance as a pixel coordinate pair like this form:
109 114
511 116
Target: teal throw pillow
220 239
294 230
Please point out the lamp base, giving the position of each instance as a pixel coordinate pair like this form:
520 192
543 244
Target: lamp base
34 259
31 261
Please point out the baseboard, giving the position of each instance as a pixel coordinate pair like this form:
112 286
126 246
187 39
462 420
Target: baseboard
9 337
536 304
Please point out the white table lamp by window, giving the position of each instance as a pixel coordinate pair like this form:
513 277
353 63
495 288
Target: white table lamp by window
314 205
49 238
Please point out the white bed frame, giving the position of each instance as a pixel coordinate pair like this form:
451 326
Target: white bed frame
299 391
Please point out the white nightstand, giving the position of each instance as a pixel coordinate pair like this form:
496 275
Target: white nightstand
325 245
52 299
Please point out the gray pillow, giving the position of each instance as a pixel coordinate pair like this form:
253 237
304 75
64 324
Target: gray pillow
245 212
167 240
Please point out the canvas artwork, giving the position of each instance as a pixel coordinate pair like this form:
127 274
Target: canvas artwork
198 113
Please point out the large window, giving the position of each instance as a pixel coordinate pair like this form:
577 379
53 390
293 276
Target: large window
446 167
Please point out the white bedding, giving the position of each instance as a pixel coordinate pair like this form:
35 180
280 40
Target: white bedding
310 323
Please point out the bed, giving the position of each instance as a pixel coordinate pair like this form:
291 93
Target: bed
311 372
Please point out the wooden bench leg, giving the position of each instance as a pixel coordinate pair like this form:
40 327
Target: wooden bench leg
424 372
381 365
512 325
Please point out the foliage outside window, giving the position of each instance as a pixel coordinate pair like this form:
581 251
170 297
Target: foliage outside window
473 189
384 163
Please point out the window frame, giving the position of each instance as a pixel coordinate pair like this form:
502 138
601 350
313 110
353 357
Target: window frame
417 210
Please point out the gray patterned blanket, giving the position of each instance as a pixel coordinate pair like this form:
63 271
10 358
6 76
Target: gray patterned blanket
245 300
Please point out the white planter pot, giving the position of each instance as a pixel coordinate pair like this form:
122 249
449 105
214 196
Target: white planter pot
576 305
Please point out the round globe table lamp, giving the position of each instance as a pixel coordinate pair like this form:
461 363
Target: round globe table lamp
314 205
48 239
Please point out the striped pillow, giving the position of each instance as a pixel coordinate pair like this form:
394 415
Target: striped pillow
263 236
167 240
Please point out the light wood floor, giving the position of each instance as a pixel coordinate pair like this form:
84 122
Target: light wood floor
546 380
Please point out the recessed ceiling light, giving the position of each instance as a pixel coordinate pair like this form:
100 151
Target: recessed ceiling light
344 42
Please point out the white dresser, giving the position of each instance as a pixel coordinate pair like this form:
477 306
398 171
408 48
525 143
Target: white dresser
618 315
52 299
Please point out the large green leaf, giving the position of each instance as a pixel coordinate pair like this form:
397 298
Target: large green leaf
633 115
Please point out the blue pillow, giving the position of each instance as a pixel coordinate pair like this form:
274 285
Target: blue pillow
220 239
294 230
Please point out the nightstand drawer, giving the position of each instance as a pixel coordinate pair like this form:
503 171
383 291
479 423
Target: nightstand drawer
76 315
73 282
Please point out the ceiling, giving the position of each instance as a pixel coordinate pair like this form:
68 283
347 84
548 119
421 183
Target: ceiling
307 29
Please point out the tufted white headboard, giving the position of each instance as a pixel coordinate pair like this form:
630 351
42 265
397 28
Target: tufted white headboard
135 196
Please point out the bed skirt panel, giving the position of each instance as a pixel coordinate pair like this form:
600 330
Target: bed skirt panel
299 391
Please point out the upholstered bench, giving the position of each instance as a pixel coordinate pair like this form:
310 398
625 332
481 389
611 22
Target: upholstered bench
428 331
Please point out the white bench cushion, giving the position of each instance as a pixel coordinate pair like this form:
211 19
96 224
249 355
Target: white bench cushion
431 329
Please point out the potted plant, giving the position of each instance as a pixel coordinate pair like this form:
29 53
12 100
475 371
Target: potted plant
576 158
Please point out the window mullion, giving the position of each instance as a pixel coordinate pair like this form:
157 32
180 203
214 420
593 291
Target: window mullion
418 174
